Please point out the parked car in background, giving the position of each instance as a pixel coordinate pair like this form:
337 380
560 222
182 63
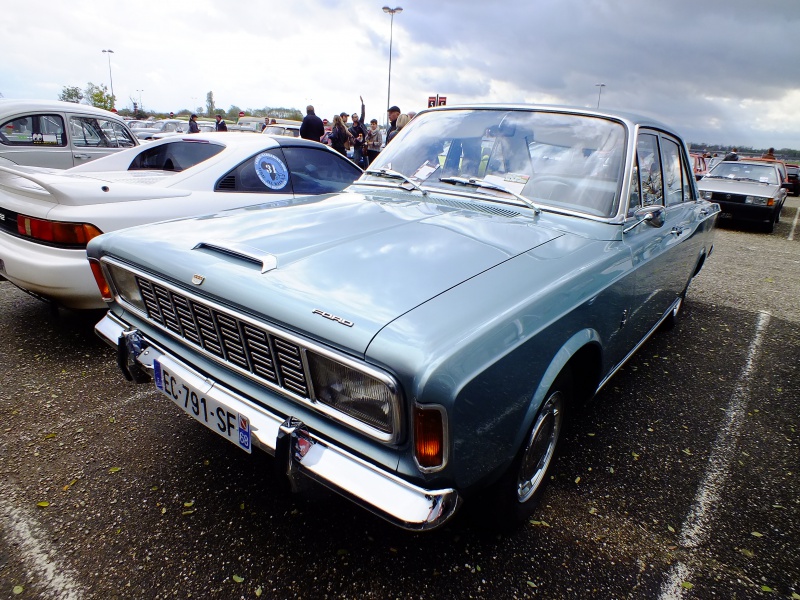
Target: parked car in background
47 219
203 126
419 339
58 135
248 124
292 129
746 190
162 126
792 172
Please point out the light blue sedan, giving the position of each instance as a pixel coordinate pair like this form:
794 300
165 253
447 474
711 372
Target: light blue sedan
416 341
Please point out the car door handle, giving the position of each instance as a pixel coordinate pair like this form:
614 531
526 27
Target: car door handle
676 231
81 156
704 212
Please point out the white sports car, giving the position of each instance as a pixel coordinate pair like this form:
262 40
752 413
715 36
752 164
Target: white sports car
47 218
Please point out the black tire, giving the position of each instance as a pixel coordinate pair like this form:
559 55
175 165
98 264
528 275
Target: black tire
512 500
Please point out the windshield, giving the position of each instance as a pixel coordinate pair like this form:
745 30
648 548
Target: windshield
747 171
554 159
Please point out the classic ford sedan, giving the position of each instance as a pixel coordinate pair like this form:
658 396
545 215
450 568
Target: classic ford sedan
416 341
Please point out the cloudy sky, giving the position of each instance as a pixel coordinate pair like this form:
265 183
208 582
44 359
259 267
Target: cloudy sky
724 72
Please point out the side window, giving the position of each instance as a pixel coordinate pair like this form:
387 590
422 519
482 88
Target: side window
318 171
124 137
675 183
264 173
34 130
649 159
87 132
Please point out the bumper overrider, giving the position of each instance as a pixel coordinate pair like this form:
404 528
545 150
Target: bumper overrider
299 452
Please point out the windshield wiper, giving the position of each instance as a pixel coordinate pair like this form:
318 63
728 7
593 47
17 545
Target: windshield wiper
396 175
482 183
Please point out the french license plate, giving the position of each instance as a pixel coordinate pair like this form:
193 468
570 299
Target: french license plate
204 407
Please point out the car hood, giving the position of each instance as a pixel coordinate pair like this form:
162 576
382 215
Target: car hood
338 267
737 186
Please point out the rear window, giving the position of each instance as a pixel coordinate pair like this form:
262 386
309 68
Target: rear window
175 156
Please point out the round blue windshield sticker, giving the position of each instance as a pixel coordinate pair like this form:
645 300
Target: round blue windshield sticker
271 171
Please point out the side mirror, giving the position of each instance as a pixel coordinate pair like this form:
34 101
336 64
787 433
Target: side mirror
652 215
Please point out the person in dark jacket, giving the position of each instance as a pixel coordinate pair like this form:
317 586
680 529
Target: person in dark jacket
732 155
221 126
392 115
358 132
339 135
193 128
311 128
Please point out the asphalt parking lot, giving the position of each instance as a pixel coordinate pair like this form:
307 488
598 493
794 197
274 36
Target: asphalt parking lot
681 479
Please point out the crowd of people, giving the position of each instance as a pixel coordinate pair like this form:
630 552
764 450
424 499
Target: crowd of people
365 140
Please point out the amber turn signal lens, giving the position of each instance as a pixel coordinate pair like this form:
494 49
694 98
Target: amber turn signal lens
100 279
428 437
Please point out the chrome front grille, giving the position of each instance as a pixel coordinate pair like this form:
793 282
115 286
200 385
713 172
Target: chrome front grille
237 342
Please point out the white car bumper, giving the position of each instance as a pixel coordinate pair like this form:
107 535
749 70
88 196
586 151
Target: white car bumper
54 273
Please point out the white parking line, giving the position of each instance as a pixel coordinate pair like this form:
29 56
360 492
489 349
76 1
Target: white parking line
695 528
58 581
794 225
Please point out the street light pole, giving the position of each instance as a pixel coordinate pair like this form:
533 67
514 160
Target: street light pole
392 12
599 87
110 79
140 100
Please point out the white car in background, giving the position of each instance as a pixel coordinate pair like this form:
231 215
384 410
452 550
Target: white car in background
58 135
47 218
163 126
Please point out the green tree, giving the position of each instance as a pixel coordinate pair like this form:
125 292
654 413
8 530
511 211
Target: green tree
233 113
210 106
98 96
71 93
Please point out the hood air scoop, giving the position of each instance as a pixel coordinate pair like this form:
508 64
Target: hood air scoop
265 261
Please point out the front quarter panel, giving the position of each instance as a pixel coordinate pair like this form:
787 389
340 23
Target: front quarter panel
488 349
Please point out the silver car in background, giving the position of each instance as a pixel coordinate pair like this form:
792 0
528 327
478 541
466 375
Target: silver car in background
58 135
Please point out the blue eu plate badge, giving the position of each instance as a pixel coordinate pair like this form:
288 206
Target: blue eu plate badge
244 432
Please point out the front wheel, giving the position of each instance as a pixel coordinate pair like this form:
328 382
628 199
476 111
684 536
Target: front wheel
516 495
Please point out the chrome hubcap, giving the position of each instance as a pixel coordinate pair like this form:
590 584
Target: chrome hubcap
540 448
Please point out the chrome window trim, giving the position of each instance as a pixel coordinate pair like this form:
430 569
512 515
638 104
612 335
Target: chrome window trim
303 344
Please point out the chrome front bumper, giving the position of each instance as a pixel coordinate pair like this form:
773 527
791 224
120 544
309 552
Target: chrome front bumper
299 451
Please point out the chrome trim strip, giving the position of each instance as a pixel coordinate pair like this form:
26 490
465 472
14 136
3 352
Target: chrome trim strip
382 376
379 491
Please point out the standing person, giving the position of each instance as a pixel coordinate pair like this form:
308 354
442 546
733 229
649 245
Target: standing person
339 135
401 122
193 128
769 154
265 124
221 126
392 114
732 155
374 141
359 134
311 128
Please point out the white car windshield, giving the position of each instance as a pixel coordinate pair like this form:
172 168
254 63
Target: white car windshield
568 161
745 171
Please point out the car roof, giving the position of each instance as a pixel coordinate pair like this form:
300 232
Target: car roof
14 105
